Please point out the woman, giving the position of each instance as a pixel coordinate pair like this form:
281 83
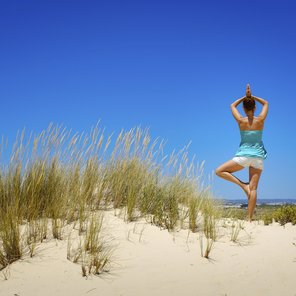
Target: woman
251 152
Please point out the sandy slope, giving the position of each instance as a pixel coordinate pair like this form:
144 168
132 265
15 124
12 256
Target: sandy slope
151 261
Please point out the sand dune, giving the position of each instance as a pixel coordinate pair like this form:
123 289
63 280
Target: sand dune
151 261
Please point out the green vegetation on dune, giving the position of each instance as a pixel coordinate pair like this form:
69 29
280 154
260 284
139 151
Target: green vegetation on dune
267 213
56 179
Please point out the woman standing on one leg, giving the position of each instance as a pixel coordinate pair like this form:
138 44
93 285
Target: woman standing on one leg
251 152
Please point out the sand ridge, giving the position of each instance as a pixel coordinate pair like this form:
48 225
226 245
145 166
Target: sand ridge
148 260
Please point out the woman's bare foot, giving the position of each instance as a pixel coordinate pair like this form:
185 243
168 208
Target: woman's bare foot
246 188
248 219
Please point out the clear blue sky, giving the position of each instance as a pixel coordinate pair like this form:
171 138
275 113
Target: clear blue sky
173 66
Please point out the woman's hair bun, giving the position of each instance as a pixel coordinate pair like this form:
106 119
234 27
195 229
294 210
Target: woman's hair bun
249 103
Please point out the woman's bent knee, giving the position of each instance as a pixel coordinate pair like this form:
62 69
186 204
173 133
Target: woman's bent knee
218 172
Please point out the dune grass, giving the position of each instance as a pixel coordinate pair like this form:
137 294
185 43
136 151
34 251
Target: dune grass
211 215
267 213
236 227
93 251
56 178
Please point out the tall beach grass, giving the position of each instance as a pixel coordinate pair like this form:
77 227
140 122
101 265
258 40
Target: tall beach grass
57 178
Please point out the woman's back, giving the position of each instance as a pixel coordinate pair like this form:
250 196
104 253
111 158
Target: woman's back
251 144
249 124
251 127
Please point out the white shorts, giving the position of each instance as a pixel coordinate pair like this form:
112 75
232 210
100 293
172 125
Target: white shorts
254 162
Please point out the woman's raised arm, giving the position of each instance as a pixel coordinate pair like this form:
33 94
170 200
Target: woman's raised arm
234 111
264 111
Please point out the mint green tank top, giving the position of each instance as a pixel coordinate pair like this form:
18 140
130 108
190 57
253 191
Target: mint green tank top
251 144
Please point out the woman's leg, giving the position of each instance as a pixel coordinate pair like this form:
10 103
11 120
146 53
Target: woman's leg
224 171
254 176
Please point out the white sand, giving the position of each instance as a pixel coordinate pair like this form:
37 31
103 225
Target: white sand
151 261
